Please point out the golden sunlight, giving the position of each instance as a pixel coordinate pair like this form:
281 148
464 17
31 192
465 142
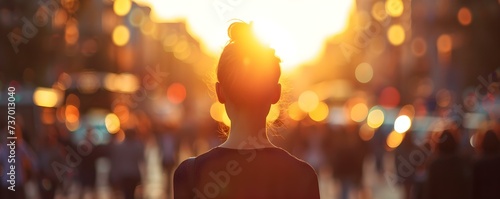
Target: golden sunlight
297 33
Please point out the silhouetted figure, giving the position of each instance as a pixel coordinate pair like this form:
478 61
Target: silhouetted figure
167 143
127 158
487 169
347 159
87 172
49 152
449 175
405 170
247 164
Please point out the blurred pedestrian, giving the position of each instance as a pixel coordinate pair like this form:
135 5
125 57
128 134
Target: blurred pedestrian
127 161
49 152
347 160
487 169
449 174
404 169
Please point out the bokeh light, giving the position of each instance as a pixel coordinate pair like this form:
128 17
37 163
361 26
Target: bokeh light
394 139
359 112
122 7
408 110
127 83
176 93
366 132
72 114
121 35
308 101
122 112
396 35
88 82
378 11
444 43
402 124
112 123
464 16
394 7
295 113
217 111
364 72
389 97
320 113
375 118
46 97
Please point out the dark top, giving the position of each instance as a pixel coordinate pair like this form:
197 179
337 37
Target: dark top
245 173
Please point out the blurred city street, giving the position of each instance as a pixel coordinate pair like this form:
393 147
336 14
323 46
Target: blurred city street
384 99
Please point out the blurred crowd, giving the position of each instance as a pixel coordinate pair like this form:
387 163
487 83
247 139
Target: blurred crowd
443 164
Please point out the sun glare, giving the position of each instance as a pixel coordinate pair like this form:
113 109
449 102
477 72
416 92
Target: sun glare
296 29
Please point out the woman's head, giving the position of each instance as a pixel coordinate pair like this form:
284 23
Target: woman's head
248 73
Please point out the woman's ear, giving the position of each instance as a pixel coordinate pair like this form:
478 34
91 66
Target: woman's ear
220 94
276 94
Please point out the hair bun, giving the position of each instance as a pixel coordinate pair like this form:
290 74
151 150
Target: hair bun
240 31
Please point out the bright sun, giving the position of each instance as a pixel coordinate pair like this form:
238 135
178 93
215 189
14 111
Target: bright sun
296 29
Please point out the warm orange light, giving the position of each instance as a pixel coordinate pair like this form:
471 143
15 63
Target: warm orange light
46 97
364 72
408 110
308 101
217 111
88 82
110 82
444 43
394 139
176 93
72 99
121 35
359 112
127 83
375 118
122 112
464 16
72 114
72 126
122 7
71 32
48 116
112 123
274 113
366 132
295 113
320 113
394 7
396 35
295 33
378 11
225 119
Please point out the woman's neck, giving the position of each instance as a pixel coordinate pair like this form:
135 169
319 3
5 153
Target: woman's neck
247 133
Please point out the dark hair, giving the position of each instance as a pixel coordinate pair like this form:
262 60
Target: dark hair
491 144
247 67
448 144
